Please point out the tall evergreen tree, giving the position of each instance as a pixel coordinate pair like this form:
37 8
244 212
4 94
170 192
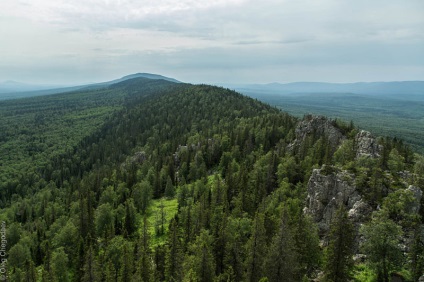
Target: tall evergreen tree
174 254
91 267
144 267
126 271
381 245
199 265
256 250
339 253
281 263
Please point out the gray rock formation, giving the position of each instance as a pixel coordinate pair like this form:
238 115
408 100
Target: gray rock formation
417 193
366 145
137 159
327 192
329 188
317 126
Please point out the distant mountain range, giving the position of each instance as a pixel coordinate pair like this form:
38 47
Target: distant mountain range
392 89
413 90
11 86
13 89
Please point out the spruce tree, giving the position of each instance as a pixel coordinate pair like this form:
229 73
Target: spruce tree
256 250
281 262
339 253
174 254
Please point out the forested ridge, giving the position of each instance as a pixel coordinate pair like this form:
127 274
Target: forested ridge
149 180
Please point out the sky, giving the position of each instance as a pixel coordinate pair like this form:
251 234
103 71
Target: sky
212 41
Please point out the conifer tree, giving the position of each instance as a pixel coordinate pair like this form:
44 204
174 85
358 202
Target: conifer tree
126 271
200 264
159 263
91 267
381 245
144 262
281 263
169 189
174 253
256 250
339 254
30 275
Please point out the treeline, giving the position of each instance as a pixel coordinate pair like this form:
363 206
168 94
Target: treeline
101 210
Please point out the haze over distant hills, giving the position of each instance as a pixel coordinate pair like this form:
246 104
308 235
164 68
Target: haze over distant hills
393 89
11 86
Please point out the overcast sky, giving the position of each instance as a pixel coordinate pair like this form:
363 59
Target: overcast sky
212 41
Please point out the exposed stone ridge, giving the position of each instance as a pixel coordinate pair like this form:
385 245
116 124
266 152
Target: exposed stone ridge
417 193
328 191
366 145
317 126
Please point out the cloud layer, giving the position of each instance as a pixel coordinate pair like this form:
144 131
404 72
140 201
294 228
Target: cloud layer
212 41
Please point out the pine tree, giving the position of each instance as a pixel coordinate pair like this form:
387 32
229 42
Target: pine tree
129 221
91 267
281 263
174 253
256 250
200 264
144 261
339 253
30 275
416 255
381 245
126 271
169 189
159 263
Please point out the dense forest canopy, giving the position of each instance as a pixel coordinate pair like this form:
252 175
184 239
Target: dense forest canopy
150 180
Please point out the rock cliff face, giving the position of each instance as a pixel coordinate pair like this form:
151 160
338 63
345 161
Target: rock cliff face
327 192
317 126
366 145
417 193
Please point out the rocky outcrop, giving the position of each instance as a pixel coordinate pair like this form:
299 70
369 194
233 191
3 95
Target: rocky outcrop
414 207
317 127
328 191
366 145
136 159
329 188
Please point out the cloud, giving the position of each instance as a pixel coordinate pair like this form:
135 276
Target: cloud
206 39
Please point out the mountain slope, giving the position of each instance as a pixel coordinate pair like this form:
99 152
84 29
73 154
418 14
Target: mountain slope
14 90
187 182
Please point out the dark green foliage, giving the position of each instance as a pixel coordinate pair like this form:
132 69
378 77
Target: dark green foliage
381 245
174 254
85 173
144 267
281 261
256 250
416 255
339 253
199 263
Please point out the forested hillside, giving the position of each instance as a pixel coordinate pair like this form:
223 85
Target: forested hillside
150 180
